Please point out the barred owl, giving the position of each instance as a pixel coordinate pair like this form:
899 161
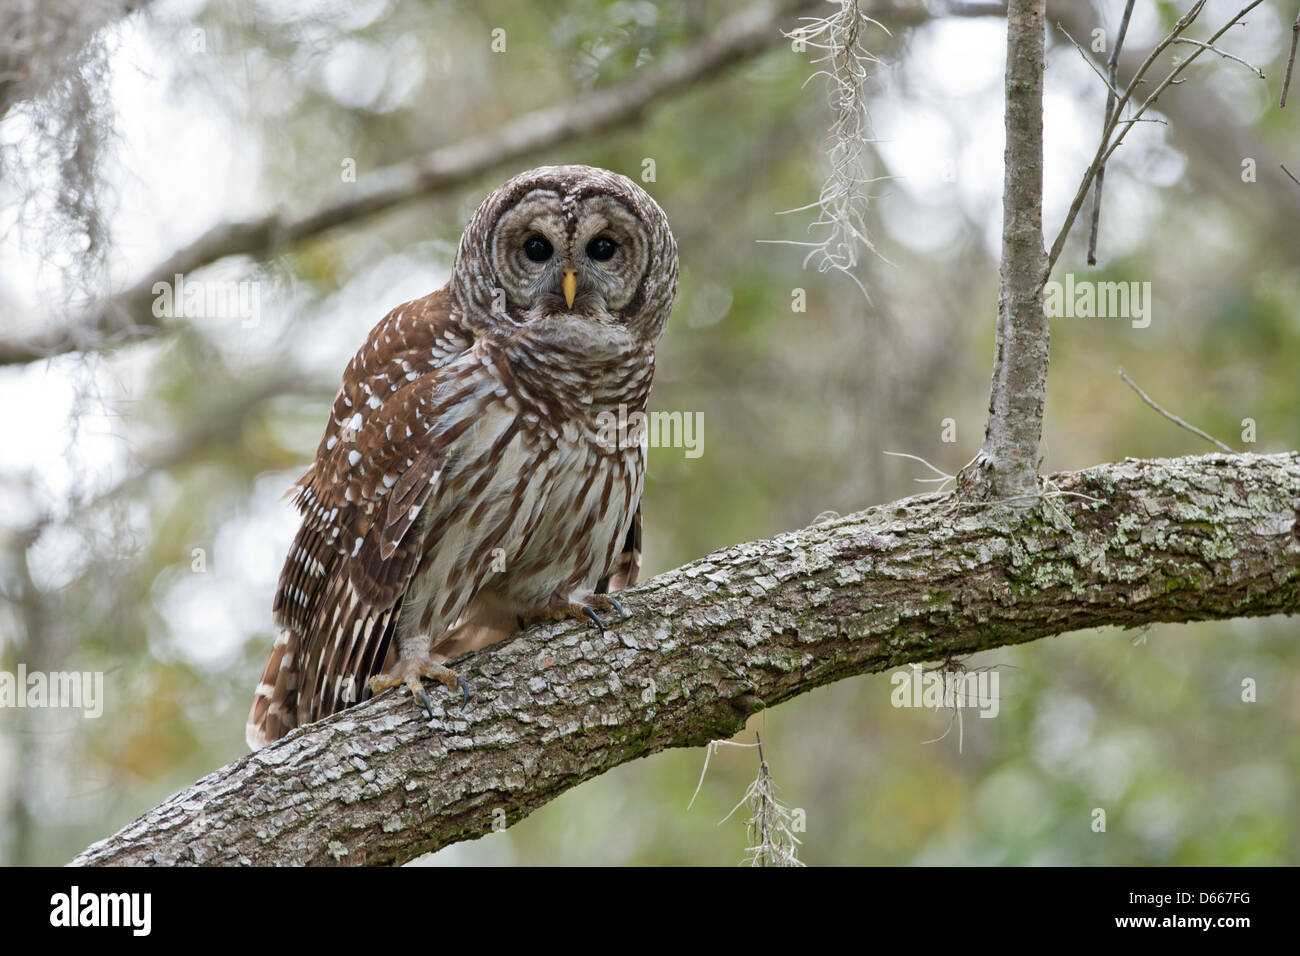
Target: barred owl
467 481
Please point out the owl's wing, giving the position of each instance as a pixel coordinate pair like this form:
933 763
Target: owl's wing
627 564
339 596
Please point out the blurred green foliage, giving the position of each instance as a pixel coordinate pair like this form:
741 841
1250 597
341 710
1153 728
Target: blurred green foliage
798 410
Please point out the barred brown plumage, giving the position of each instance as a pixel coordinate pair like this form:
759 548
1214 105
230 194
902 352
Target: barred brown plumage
465 480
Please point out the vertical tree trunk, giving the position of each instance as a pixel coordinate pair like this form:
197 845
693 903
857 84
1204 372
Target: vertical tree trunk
1007 465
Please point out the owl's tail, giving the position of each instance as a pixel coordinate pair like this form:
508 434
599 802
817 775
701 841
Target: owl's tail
275 702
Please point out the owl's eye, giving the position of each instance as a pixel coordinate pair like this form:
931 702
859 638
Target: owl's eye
537 249
602 248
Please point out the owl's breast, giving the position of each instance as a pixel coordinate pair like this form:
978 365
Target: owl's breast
577 504
574 384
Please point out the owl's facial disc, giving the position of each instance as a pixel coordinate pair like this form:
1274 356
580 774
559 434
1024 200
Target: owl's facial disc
585 256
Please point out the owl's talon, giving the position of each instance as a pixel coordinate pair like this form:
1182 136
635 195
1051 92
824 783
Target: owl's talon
409 674
590 615
607 602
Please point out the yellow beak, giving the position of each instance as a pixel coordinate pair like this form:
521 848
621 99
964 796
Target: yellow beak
570 286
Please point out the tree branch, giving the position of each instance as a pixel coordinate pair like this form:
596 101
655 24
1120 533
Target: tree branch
707 645
1007 464
1290 62
1112 74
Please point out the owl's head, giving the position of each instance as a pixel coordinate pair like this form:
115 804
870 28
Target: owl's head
571 243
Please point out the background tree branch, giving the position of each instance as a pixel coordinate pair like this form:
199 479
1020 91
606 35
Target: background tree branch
926 578
128 314
1117 128
1202 127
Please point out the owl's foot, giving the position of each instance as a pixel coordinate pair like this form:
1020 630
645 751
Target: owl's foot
607 603
409 672
561 609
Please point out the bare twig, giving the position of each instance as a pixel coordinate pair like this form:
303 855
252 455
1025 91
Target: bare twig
1171 416
1104 77
977 9
1289 173
1223 53
1201 126
1110 140
1290 62
1112 71
1099 159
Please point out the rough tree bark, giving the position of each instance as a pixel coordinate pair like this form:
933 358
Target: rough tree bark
922 579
